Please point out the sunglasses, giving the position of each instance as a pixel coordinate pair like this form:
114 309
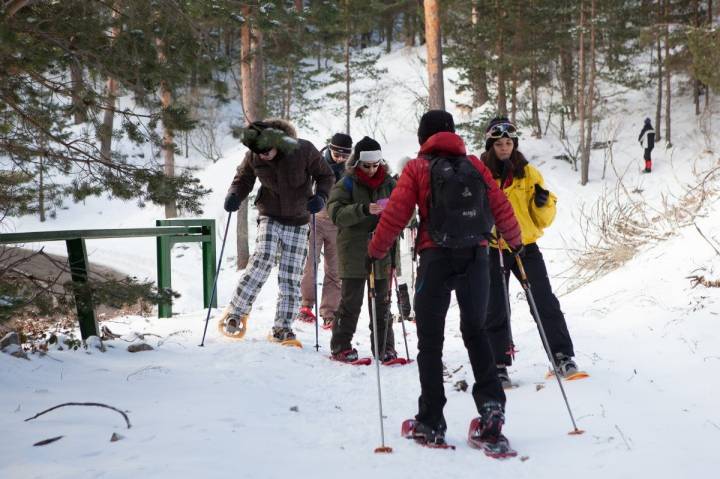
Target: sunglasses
500 130
367 166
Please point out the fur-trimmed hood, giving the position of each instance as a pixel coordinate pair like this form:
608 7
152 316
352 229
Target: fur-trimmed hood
283 125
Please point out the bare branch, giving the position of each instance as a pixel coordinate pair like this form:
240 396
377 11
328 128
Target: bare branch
97 404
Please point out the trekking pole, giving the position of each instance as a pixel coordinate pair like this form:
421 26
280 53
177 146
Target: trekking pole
533 307
217 274
373 314
393 277
315 262
413 248
511 349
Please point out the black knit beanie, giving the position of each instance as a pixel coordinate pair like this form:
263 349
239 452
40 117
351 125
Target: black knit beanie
341 143
434 121
366 144
495 121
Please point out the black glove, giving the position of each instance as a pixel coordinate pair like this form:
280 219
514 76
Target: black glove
541 196
518 250
232 202
316 203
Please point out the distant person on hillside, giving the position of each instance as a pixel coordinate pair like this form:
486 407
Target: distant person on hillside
355 206
534 208
647 140
324 238
287 167
453 252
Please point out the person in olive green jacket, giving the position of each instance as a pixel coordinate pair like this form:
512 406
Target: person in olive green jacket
534 207
355 205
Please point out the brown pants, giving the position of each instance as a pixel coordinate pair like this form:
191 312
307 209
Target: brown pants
325 239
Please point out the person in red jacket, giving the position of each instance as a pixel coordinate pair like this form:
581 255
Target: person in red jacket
439 272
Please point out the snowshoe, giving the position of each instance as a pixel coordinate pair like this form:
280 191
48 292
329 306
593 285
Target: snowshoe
390 358
232 325
485 432
424 434
284 336
306 315
567 368
350 356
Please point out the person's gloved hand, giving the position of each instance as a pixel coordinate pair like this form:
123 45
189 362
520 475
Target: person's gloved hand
232 202
518 250
316 203
541 196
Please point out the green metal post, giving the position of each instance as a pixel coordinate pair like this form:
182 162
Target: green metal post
209 262
77 259
164 244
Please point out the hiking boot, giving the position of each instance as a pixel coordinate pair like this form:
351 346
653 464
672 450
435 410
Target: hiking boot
425 433
306 315
504 376
566 365
328 322
389 355
346 356
282 334
488 427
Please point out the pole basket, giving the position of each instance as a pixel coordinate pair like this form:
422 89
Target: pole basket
576 432
383 450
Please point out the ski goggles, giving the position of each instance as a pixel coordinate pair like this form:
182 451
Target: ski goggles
502 129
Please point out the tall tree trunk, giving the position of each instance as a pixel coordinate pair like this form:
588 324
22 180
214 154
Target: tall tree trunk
513 93
658 110
534 96
668 140
581 82
420 20
168 142
585 175
500 53
434 55
696 82
41 188
347 84
76 78
251 71
567 79
111 88
478 82
410 24
710 23
389 27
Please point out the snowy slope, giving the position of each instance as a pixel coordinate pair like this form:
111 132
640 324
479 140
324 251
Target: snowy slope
647 338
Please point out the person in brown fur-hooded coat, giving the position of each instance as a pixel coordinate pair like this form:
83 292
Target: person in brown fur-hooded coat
287 168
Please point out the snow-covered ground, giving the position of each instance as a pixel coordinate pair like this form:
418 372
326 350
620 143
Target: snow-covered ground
254 409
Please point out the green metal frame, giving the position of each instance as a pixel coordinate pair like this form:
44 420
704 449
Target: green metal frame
167 233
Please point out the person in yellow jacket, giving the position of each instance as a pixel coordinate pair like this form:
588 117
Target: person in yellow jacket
534 207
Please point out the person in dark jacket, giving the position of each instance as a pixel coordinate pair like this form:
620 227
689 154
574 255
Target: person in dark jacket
440 271
287 167
647 140
535 209
323 237
356 202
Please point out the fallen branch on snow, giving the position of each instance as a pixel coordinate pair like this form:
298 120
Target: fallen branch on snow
127 421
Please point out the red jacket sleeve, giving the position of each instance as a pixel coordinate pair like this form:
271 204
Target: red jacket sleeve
396 214
502 210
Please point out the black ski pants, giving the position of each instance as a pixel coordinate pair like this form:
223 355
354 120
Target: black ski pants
553 319
440 271
352 292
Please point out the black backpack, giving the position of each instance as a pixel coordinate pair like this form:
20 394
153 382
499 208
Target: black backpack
459 215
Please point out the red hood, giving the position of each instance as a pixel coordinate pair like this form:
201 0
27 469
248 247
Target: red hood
444 142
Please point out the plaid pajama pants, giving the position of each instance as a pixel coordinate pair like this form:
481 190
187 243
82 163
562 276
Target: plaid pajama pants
274 241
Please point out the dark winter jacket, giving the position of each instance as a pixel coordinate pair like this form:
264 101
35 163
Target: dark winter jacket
647 136
286 181
337 168
349 200
413 188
